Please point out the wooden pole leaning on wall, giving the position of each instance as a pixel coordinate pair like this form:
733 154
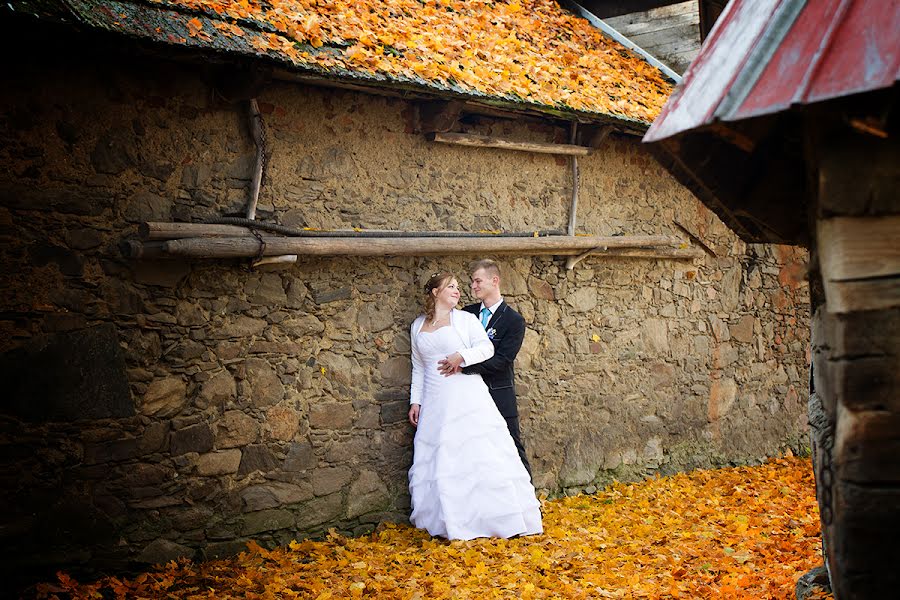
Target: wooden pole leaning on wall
258 130
243 247
573 209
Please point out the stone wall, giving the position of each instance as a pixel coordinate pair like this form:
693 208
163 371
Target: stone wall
216 404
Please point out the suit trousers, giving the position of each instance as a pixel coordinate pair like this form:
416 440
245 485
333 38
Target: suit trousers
512 423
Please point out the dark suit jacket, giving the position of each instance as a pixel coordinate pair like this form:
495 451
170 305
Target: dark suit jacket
497 371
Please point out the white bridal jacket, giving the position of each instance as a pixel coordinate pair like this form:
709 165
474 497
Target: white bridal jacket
474 347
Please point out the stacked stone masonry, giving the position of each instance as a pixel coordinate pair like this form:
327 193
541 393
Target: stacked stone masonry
272 405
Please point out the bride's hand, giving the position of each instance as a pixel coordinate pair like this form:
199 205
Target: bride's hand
450 365
414 415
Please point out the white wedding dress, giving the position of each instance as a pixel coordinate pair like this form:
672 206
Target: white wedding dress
467 480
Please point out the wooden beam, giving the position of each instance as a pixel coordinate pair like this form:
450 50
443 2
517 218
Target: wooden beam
860 262
273 263
143 250
695 238
649 253
171 231
871 294
859 247
243 247
483 141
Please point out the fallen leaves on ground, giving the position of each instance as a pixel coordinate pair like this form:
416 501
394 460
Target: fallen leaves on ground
746 532
528 50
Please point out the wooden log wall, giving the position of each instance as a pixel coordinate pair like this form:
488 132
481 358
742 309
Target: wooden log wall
854 401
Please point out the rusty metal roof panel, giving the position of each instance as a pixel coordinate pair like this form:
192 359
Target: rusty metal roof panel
765 56
835 48
721 59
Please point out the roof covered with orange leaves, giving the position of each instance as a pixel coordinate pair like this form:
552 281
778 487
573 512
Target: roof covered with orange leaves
524 52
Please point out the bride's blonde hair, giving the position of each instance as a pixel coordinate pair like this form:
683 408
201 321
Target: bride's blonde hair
438 282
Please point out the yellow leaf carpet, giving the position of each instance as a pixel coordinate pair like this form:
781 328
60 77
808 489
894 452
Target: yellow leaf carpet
745 532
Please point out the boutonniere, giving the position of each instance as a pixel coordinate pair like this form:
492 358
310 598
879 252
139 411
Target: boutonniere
491 333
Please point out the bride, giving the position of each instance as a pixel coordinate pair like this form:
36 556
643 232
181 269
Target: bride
467 480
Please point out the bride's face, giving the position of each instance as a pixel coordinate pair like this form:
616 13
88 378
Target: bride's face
448 296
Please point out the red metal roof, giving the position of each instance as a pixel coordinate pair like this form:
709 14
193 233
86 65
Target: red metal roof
764 56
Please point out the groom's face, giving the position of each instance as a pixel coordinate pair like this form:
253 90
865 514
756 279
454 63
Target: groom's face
483 285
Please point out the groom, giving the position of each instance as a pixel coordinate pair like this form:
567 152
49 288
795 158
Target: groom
506 329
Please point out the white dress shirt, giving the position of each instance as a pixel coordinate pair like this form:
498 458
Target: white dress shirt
493 308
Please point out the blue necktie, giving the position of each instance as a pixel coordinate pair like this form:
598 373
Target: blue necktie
485 316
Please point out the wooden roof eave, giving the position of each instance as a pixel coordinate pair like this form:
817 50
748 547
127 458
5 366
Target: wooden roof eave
474 103
750 173
85 15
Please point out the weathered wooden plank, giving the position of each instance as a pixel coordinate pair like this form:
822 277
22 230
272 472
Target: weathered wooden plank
868 383
484 141
676 47
860 262
860 176
872 333
660 38
610 8
663 12
864 295
630 26
683 56
243 247
866 540
866 447
852 248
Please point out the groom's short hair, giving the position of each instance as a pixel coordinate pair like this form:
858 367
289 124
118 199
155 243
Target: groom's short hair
490 267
